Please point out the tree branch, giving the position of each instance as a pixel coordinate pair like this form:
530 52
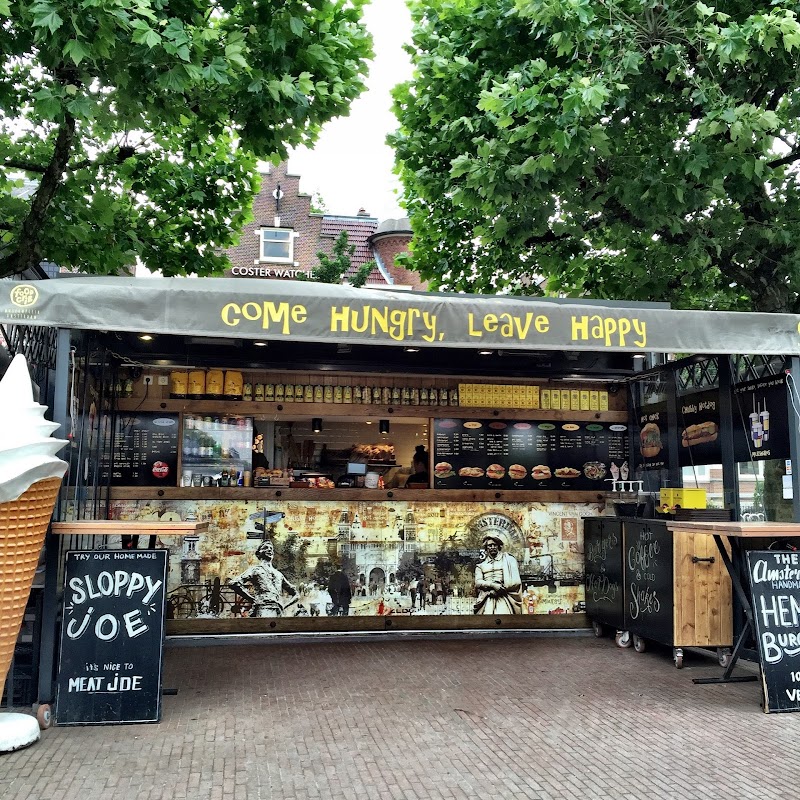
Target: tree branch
25 166
787 159
28 252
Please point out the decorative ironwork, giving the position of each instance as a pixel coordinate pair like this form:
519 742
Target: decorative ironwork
698 376
750 368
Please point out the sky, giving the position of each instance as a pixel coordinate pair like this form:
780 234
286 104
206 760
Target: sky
351 164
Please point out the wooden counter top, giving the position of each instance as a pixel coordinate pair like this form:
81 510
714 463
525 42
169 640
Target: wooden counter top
116 527
355 495
743 530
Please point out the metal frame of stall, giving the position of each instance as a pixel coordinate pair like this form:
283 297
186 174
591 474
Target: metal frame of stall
93 304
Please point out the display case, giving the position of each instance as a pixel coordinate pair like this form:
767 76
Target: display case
215 447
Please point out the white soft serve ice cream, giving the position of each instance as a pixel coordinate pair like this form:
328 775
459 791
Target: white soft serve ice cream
27 450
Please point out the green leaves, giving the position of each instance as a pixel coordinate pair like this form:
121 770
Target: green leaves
173 82
620 149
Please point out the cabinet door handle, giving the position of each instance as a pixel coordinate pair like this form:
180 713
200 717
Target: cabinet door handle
696 559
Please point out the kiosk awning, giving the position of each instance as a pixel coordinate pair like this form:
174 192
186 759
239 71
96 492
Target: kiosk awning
256 309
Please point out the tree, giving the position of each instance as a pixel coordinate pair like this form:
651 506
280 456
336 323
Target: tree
132 128
616 148
291 556
334 270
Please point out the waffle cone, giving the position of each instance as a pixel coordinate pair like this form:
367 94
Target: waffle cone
23 524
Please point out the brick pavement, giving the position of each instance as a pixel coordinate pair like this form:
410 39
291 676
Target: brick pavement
537 718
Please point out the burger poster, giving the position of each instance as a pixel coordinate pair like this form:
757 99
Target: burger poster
761 419
516 454
653 437
699 429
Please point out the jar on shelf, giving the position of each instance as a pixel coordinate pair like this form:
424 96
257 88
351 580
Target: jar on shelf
327 394
396 395
197 384
258 392
288 393
433 396
414 398
234 385
347 394
299 393
319 393
269 392
280 393
357 394
453 397
338 394
247 392
405 396
386 395
178 385
215 383
423 396
308 394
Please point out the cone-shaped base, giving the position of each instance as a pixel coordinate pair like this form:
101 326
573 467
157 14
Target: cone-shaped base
17 731
23 524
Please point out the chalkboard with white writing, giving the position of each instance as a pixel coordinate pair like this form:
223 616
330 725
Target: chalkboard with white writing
112 637
775 581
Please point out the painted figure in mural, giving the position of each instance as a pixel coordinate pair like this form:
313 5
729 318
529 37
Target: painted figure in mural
267 585
497 580
341 594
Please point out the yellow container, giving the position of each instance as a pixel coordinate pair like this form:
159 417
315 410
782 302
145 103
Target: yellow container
178 384
215 383
685 498
197 384
234 385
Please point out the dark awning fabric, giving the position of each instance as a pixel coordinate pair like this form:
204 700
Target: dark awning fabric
311 312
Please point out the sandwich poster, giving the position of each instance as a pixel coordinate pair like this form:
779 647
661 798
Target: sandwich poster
698 417
653 437
761 419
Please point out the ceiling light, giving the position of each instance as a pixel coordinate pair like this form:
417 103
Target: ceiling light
146 337
383 426
411 349
485 352
316 424
260 344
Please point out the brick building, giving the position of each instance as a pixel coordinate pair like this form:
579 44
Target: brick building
285 236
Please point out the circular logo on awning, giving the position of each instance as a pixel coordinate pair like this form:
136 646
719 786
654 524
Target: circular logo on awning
24 295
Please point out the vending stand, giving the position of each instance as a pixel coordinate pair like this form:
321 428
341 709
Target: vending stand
288 416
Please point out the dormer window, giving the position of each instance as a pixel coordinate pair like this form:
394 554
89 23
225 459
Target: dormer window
277 245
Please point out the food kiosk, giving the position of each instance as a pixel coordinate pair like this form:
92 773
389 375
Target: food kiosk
242 404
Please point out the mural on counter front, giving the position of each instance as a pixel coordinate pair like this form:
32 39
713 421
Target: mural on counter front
365 559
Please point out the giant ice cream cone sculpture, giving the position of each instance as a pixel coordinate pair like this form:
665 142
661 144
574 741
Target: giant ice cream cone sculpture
30 476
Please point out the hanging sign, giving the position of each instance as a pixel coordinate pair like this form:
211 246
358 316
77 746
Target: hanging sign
112 637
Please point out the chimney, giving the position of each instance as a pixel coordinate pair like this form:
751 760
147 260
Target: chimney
362 212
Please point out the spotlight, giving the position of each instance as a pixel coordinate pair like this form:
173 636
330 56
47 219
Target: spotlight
316 424
485 352
383 426
411 349
260 344
146 337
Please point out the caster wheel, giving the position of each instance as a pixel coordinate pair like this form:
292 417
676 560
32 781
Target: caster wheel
598 629
623 639
639 644
677 658
724 656
44 716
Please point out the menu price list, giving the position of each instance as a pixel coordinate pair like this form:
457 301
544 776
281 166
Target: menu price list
502 454
145 450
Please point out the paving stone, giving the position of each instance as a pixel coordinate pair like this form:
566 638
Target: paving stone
538 718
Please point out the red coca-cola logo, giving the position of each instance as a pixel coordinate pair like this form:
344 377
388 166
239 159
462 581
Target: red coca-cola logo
160 469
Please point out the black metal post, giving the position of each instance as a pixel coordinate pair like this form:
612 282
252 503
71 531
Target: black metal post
730 485
47 649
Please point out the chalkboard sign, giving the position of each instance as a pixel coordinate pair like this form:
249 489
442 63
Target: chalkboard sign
775 581
602 547
649 580
145 450
112 637
499 454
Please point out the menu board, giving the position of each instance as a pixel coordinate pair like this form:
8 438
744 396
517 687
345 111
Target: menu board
500 454
145 450
775 581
